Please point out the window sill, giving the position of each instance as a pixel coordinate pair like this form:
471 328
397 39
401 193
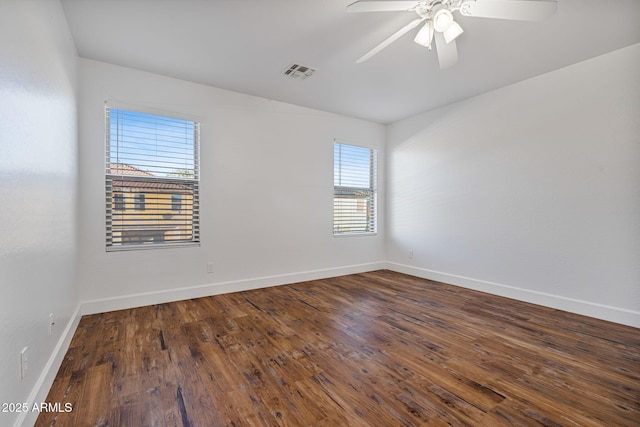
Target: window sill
124 248
355 234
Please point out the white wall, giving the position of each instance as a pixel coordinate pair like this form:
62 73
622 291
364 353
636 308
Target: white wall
37 192
531 191
266 205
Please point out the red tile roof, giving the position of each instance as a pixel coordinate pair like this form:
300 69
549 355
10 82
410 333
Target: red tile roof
128 170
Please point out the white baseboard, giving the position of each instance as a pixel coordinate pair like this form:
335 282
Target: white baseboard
177 294
45 380
586 308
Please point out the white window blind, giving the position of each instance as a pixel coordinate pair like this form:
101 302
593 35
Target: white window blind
152 180
354 189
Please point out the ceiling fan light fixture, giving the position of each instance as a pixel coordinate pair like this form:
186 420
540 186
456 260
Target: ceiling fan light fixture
452 32
442 19
425 35
441 28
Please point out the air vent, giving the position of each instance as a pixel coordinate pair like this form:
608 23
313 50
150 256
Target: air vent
298 71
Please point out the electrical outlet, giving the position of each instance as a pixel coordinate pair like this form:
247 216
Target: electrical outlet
410 253
24 365
51 323
209 267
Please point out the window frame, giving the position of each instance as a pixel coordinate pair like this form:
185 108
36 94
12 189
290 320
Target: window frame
372 190
189 185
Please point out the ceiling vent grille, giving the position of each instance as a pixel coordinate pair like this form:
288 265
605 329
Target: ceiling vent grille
298 71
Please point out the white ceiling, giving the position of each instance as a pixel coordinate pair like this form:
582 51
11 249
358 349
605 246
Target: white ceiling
246 45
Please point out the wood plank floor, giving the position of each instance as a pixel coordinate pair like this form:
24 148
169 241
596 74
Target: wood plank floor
373 349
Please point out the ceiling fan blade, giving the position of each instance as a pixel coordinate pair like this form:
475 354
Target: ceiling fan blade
395 36
518 10
447 52
382 5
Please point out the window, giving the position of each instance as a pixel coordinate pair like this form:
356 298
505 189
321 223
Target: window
138 202
354 189
118 202
176 202
152 180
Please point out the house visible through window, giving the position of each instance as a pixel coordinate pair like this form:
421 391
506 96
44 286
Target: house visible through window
354 189
152 180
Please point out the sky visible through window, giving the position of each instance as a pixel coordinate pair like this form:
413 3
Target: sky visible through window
351 166
160 145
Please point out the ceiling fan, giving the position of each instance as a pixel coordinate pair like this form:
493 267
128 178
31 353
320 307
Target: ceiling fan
440 24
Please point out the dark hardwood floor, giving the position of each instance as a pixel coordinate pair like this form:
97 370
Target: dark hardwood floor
373 349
